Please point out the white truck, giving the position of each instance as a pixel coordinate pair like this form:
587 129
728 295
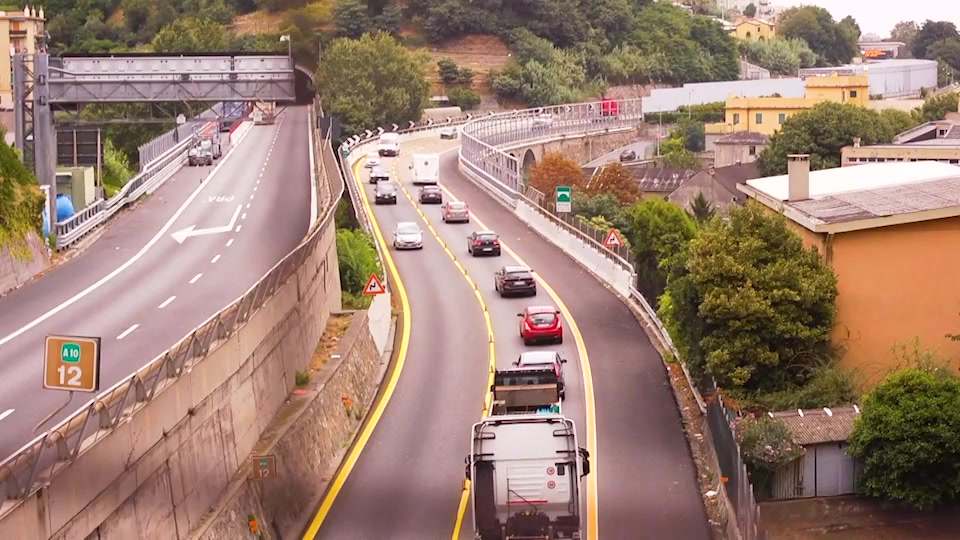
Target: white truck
426 169
389 144
264 113
525 463
201 154
525 472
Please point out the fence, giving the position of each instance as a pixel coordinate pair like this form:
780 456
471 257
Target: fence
499 172
156 148
25 471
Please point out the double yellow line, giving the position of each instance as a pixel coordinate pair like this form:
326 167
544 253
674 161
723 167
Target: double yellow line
350 460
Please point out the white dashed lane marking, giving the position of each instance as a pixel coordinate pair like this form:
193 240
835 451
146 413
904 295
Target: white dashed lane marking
128 331
167 302
215 259
195 278
6 413
239 227
230 242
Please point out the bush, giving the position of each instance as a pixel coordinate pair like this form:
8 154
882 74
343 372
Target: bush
358 259
464 98
908 437
448 71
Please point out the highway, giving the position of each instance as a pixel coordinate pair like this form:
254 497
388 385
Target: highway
403 478
188 250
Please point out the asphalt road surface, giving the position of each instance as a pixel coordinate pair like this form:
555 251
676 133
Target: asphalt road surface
139 289
407 481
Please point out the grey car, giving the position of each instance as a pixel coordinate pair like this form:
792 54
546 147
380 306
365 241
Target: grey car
545 359
379 174
385 193
456 212
407 235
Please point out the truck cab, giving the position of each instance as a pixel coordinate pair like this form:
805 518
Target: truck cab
525 472
201 154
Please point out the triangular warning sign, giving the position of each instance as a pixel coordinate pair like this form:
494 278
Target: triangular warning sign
374 286
613 239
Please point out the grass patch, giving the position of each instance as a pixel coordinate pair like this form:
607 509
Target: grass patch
337 326
355 301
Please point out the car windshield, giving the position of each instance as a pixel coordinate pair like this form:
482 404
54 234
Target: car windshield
543 318
386 187
380 173
408 228
519 274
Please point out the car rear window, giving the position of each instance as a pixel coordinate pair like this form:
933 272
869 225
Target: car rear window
519 275
384 187
487 236
457 206
543 318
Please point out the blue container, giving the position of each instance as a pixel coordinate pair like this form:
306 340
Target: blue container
46 224
65 211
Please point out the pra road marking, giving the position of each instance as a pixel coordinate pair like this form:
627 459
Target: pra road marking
195 278
166 302
152 242
350 460
128 331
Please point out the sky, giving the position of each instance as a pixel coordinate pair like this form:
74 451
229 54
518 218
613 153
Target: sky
873 18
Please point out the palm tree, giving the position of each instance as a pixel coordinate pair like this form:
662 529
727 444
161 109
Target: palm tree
701 209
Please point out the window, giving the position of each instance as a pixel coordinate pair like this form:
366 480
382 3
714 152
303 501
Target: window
753 150
519 275
759 118
853 93
544 319
736 118
782 118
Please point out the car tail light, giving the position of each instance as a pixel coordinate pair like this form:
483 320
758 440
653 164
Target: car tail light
477 242
496 242
526 325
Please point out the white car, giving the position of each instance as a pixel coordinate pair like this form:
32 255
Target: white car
372 160
407 235
448 133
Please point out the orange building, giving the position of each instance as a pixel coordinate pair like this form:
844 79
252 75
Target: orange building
890 231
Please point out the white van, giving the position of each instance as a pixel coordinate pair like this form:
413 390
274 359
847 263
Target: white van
389 144
426 169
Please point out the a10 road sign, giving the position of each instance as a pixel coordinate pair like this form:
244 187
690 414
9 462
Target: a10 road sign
564 199
72 363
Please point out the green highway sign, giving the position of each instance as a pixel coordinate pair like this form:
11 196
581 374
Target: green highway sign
564 198
70 353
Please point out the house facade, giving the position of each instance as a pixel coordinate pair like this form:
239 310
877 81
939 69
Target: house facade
19 33
742 147
886 229
754 29
717 184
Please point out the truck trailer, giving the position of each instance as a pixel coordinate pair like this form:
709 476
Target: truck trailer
525 390
426 169
525 472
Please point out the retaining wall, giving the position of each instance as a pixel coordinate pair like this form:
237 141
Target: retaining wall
160 471
308 440
20 262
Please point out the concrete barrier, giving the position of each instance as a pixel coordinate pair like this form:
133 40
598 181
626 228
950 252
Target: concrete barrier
21 260
238 133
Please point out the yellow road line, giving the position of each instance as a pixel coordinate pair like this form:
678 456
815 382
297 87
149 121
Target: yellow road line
488 397
351 459
589 404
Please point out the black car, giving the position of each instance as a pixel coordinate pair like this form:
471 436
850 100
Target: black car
483 243
515 280
628 155
385 193
431 195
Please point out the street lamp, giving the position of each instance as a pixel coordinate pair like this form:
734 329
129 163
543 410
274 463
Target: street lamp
286 37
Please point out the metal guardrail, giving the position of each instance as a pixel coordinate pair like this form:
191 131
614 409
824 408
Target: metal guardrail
30 468
151 150
152 174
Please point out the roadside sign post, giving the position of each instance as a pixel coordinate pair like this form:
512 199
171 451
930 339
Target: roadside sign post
564 199
70 363
613 240
374 286
264 467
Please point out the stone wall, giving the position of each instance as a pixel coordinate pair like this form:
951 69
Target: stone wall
308 439
582 149
21 261
157 474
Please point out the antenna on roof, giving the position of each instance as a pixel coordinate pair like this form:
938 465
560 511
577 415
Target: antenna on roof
828 411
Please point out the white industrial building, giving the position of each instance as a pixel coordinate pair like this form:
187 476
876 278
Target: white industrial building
897 78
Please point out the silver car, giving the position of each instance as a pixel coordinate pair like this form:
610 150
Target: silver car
372 160
455 212
407 235
448 133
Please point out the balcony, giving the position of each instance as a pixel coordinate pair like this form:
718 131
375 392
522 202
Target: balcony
18 33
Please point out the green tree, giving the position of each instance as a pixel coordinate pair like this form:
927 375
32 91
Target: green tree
765 303
464 98
908 439
930 33
692 133
936 108
701 209
781 56
21 200
373 81
448 70
834 43
616 180
750 10
604 205
822 132
357 256
947 51
351 18
905 32
189 35
658 230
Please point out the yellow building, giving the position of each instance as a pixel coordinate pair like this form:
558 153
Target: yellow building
754 29
19 31
766 114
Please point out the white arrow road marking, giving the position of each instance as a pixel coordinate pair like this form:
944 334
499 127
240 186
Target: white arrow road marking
183 234
6 413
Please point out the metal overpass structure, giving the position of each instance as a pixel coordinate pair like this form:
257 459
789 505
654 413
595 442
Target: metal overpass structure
40 82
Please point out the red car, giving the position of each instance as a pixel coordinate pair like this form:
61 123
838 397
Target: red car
540 323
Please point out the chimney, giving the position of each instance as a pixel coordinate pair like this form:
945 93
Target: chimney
798 177
856 142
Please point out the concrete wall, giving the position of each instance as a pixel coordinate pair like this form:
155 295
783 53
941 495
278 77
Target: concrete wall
582 149
21 261
160 471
